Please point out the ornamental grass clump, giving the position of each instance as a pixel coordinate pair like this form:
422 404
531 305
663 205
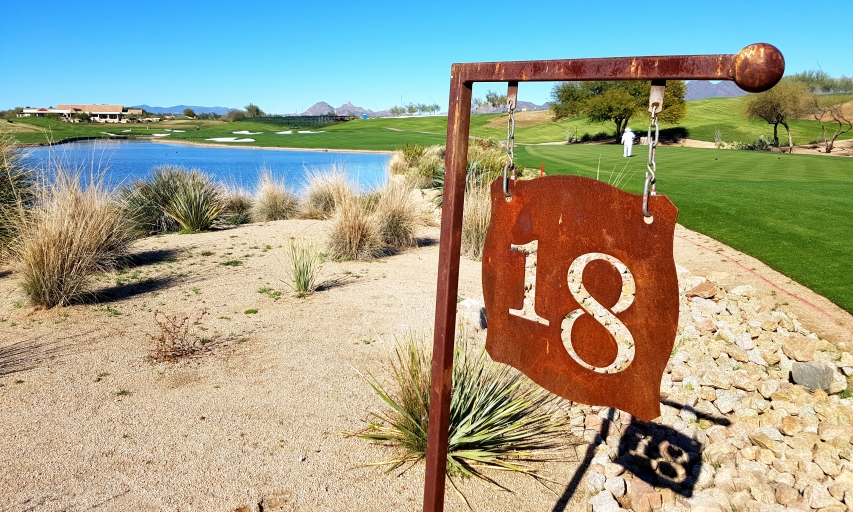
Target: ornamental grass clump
499 419
325 189
16 190
476 215
304 265
398 215
238 206
354 233
74 229
273 200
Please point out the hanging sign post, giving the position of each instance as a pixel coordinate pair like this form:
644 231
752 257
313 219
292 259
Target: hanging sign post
580 227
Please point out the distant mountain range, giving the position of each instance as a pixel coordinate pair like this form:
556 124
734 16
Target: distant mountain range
701 89
179 109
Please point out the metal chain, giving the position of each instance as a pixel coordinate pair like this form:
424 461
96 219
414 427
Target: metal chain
655 106
510 148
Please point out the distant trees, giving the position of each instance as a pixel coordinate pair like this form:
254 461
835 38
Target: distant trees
188 112
396 111
253 110
235 115
616 101
823 106
785 101
495 100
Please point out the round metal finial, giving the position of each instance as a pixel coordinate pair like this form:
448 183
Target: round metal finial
758 67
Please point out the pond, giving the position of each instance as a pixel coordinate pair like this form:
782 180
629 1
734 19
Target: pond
126 161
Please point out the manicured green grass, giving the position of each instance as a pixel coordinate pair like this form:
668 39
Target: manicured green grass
792 212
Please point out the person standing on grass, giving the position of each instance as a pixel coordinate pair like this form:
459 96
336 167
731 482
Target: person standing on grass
627 141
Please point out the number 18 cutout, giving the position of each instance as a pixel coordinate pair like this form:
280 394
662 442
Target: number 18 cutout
570 228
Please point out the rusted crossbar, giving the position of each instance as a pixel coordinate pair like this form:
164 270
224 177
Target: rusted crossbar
756 68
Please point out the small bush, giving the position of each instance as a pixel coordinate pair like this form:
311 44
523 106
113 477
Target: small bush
498 417
354 232
397 215
71 232
305 264
475 218
238 206
196 203
16 190
174 339
326 188
273 201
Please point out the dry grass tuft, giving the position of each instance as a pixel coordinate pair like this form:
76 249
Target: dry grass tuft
354 232
238 206
398 215
326 188
73 230
273 201
16 190
475 218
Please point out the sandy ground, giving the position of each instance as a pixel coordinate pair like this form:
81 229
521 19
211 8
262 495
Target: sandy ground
89 422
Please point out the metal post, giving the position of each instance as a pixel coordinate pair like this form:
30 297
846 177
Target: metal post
456 159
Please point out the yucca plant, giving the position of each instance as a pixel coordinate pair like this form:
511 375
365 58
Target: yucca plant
304 265
196 203
499 419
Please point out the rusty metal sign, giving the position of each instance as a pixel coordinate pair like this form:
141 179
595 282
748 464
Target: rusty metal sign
597 322
756 68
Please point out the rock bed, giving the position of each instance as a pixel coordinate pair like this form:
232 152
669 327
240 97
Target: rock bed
752 414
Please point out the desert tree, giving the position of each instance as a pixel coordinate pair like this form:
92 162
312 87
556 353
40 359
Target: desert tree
188 112
785 101
396 111
495 100
828 110
253 110
616 101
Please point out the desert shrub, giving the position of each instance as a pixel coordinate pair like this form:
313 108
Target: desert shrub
73 230
600 136
486 161
674 134
498 417
475 218
238 206
304 265
325 189
354 233
586 137
174 339
397 215
16 190
273 201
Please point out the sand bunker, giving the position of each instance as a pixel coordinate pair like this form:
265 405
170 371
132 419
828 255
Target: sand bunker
309 131
246 132
286 132
178 131
161 134
230 139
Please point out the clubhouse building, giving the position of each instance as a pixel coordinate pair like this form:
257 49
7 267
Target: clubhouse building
97 113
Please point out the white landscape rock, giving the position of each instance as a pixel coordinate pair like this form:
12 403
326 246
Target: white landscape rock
473 313
604 502
230 139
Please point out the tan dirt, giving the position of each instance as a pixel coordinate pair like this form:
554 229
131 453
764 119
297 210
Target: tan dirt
259 415
523 119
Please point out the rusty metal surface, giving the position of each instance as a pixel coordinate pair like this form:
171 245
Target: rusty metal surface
458 125
572 216
756 68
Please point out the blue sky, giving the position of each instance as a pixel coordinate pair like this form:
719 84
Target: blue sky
284 56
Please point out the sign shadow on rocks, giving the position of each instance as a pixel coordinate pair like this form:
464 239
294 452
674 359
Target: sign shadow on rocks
655 454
